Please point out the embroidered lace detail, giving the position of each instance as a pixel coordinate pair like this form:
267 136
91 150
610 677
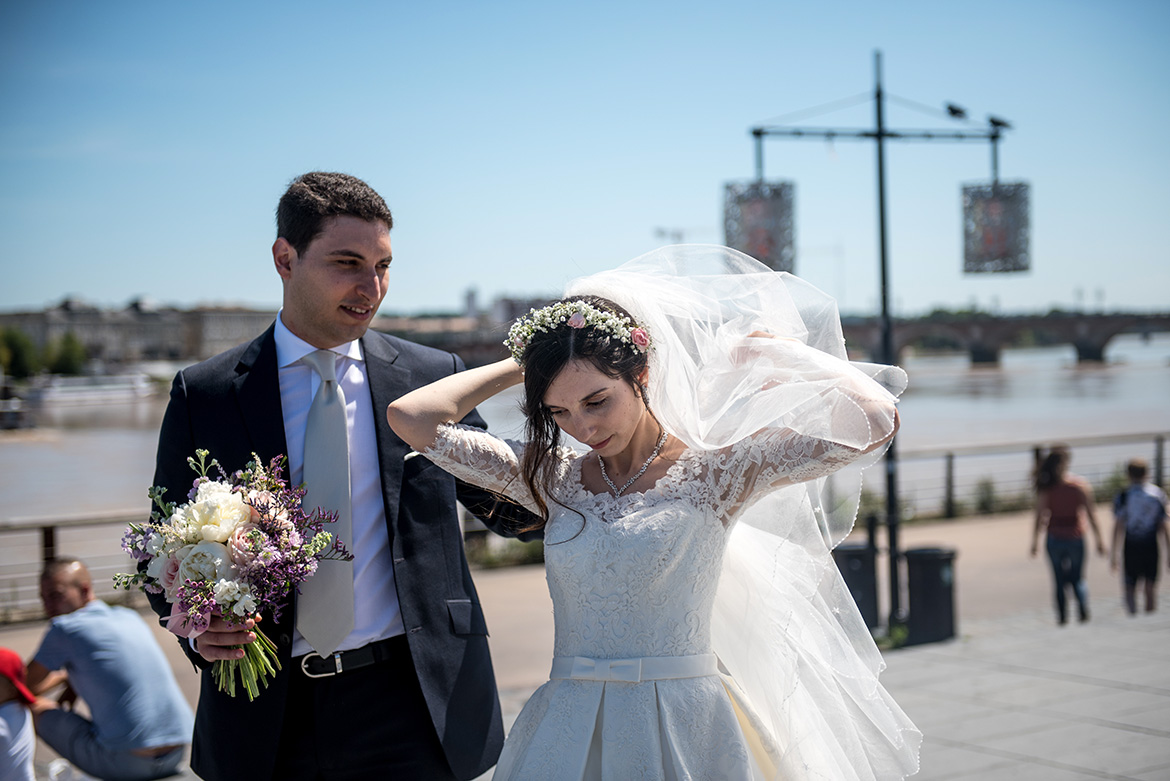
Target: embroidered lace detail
636 576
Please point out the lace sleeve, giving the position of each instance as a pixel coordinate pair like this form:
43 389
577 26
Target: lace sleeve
477 457
751 468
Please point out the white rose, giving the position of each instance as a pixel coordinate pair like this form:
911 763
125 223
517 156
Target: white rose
207 561
235 596
217 511
184 525
155 544
155 566
226 591
246 605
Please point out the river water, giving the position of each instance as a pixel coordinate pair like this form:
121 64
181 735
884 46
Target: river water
84 461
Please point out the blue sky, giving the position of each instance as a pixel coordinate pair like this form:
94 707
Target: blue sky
143 145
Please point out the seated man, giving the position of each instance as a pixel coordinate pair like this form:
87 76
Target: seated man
108 657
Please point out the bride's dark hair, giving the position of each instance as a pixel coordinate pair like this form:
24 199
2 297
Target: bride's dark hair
545 356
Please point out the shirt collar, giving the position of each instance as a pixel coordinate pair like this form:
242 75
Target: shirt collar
290 348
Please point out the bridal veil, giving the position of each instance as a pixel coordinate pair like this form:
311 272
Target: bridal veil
799 661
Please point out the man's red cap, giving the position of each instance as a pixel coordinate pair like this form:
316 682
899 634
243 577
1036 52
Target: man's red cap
12 668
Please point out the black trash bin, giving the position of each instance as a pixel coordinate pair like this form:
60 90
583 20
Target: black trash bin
930 580
856 562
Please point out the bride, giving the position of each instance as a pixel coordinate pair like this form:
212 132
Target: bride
702 630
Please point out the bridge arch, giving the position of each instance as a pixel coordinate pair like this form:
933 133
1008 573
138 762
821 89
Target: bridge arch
984 336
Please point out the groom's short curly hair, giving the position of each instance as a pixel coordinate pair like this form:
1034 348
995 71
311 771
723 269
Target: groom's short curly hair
315 197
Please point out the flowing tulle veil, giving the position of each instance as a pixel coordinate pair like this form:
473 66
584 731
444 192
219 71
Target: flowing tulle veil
802 667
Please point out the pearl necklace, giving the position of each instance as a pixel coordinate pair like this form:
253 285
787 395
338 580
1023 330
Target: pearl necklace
618 491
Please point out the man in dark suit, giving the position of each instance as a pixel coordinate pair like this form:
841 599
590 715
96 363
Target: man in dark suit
415 697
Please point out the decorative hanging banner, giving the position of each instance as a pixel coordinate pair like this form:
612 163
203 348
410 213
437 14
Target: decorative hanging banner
758 221
995 228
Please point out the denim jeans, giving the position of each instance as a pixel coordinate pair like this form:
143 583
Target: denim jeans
73 737
1068 561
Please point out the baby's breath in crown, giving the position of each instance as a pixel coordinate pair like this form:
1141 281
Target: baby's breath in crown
575 314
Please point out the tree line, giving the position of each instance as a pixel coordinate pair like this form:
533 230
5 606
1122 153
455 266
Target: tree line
21 358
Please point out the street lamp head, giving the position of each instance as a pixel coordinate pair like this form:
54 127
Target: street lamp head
958 112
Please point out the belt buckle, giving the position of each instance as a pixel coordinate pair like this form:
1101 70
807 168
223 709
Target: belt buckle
336 662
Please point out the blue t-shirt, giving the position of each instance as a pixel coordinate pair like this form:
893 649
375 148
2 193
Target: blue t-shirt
115 665
1141 509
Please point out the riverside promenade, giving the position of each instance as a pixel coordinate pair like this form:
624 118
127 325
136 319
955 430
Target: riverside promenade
1013 696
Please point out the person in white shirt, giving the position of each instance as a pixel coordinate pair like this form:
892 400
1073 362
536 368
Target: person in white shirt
18 740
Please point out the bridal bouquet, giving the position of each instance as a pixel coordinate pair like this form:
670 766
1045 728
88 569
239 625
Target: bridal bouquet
237 547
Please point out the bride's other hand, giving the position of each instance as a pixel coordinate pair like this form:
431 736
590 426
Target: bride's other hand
745 351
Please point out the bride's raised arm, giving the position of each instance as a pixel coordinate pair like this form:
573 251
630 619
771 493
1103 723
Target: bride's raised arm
417 416
427 420
828 412
855 410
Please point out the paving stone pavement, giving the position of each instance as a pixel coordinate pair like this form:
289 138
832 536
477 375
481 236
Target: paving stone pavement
1019 698
1013 696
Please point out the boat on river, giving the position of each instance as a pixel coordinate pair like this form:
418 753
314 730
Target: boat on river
98 389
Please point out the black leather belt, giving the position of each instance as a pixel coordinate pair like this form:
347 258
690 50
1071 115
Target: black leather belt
313 665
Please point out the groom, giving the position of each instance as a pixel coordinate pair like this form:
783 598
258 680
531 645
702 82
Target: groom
416 695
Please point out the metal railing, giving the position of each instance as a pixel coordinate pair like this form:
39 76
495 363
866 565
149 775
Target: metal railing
27 543
948 483
936 483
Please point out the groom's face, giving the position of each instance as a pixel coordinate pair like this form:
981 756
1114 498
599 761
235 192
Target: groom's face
333 289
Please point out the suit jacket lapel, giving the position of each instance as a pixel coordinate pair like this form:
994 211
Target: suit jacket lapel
257 388
388 380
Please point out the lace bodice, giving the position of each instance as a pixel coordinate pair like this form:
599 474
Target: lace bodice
728 553
636 575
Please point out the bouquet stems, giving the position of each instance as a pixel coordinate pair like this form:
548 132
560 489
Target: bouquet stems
258 665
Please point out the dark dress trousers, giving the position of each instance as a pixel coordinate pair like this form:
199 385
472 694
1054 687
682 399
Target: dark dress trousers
230 406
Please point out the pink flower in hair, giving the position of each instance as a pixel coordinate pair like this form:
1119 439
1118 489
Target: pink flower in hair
640 338
577 320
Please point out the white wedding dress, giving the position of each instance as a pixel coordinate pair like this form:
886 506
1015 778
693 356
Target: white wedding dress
702 630
634 578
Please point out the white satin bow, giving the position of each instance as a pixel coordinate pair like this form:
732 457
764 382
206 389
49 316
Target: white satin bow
627 670
646 668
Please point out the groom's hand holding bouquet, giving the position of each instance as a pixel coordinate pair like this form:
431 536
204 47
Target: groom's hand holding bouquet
236 548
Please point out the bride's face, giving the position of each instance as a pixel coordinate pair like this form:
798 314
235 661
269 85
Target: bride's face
594 409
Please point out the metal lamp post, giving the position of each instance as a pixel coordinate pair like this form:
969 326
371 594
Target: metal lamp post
880 134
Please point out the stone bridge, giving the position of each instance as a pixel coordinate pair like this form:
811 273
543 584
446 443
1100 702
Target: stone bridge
983 336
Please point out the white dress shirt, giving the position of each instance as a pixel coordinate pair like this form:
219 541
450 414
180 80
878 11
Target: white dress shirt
376 611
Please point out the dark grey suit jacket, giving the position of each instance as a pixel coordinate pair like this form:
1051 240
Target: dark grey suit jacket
230 406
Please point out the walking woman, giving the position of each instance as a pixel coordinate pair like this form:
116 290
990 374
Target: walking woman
1064 502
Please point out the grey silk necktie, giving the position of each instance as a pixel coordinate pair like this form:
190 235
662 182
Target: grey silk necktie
325 606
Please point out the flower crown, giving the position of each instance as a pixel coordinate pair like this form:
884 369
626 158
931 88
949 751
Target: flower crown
575 314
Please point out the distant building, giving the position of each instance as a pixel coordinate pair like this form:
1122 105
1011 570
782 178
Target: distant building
506 310
209 331
140 331
144 332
